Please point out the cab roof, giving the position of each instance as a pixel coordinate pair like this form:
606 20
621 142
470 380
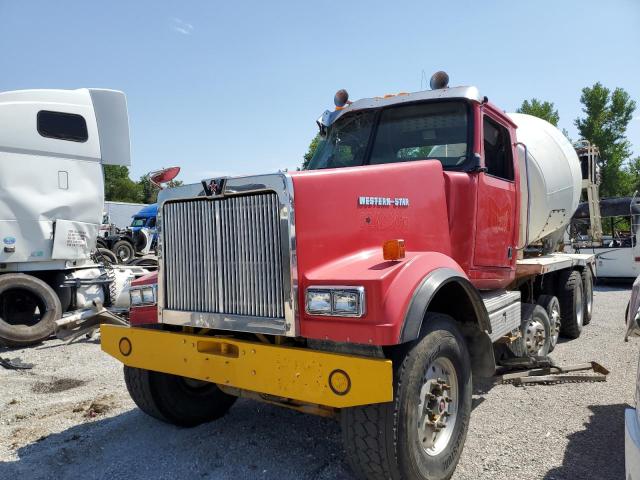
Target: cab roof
467 93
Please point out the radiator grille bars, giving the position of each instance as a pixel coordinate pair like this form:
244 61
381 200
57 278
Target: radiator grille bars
224 256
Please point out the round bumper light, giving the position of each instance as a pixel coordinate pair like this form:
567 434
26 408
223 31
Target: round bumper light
339 382
125 346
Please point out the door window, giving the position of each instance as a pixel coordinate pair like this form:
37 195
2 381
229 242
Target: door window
497 150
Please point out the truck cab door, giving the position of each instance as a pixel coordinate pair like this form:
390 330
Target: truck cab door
496 204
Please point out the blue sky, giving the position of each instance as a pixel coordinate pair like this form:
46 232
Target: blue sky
235 87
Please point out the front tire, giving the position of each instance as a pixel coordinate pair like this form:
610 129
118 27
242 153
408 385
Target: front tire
420 435
177 400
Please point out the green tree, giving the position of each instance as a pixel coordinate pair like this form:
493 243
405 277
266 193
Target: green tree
118 187
607 115
150 192
148 189
313 146
633 176
544 110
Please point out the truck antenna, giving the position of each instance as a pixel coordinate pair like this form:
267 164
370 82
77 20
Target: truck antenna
424 80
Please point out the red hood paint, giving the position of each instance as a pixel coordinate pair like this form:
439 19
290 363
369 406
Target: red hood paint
339 241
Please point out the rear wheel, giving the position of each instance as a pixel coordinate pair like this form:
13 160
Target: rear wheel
107 256
587 290
536 330
571 300
28 309
178 400
420 435
552 307
124 251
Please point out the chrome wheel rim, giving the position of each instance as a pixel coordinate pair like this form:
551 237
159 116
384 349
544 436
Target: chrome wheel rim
554 319
534 337
579 304
123 253
438 407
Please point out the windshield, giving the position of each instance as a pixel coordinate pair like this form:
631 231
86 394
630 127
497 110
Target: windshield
346 142
138 222
404 133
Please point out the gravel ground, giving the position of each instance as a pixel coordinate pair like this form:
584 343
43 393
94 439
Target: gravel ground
71 417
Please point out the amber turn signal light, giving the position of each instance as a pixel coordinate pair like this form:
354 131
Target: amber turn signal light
393 249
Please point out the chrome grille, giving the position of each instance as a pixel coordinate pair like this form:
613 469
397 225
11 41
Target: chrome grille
224 256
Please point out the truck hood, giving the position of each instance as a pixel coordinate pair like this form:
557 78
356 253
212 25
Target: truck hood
345 211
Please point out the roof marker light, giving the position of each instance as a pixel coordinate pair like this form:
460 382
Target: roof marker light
439 80
341 98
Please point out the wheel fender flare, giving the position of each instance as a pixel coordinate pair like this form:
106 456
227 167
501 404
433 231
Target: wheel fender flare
427 290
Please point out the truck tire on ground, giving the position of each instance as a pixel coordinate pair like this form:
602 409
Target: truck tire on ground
28 309
587 290
420 435
123 250
177 400
571 303
552 307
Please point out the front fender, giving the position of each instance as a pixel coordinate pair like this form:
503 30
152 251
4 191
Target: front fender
389 287
426 292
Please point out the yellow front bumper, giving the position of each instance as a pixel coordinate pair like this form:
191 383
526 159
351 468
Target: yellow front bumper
295 373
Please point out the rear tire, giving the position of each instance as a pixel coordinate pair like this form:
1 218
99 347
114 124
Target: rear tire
20 296
177 400
400 439
552 307
536 330
108 256
587 289
123 251
571 303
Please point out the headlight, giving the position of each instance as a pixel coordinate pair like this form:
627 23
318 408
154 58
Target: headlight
135 296
339 301
318 302
143 295
148 295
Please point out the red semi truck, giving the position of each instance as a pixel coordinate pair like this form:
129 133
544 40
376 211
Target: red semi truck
417 251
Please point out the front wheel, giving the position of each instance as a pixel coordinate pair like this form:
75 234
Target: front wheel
420 435
177 400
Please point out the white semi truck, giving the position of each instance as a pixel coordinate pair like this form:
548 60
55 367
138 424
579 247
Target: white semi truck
53 144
